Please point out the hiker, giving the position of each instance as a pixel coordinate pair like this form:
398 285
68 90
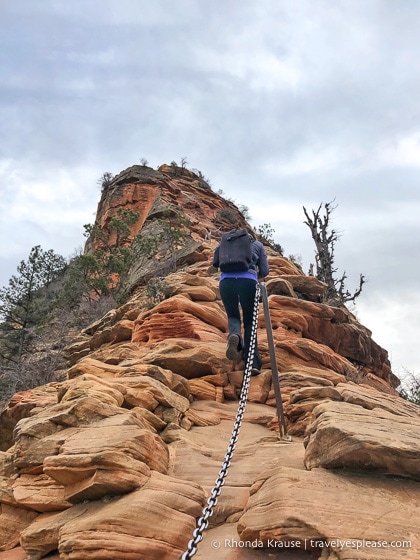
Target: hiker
238 282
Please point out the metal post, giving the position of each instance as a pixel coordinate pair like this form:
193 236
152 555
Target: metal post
273 360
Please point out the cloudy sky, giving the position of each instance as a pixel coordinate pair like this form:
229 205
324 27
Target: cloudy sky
280 103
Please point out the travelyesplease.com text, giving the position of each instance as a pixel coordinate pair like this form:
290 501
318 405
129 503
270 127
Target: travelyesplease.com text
310 544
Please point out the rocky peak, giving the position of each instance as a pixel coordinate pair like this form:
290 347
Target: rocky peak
149 192
172 195
116 461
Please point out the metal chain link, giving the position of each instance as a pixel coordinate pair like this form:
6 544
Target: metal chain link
207 512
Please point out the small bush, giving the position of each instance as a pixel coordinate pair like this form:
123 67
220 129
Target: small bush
155 290
227 216
105 180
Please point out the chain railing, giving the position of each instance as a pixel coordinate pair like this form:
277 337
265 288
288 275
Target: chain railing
203 521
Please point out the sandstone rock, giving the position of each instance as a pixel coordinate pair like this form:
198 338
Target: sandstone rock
189 358
371 399
192 286
344 435
236 377
135 368
230 506
137 383
102 323
94 367
218 379
288 504
307 353
119 353
20 406
92 476
301 402
6 464
202 390
314 393
175 325
41 437
291 381
254 414
179 317
78 349
196 293
116 333
153 421
259 387
321 372
280 266
30 451
94 387
141 390
6 491
173 170
306 285
333 327
280 286
16 553
289 284
78 412
121 433
40 493
197 455
139 197
13 521
153 522
180 385
209 387
203 417
42 536
372 380
303 376
141 398
154 195
172 416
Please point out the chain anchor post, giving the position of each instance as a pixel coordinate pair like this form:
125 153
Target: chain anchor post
274 369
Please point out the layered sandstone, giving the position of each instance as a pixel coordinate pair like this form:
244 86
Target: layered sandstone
117 460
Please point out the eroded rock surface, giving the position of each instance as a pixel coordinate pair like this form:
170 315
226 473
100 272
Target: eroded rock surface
118 460
348 436
379 520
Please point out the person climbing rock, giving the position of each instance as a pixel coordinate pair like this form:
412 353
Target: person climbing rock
242 261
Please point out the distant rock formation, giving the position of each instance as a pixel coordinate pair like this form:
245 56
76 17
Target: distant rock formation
117 461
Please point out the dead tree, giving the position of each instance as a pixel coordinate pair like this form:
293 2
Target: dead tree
325 239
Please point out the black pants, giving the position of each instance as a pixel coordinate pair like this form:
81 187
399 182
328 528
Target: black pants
235 292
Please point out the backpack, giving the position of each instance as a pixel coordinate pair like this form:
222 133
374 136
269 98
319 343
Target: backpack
235 251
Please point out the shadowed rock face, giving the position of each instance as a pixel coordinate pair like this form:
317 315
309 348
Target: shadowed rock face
117 460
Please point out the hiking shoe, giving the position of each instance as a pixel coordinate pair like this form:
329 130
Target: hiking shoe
232 352
255 371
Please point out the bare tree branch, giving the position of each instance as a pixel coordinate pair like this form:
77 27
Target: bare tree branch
325 239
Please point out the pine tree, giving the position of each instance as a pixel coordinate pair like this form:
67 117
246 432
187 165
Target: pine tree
102 270
20 308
